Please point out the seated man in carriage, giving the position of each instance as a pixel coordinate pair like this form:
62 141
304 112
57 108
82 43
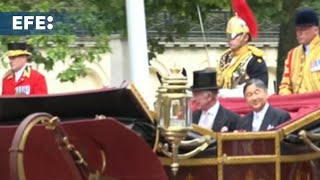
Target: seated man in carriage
264 116
211 114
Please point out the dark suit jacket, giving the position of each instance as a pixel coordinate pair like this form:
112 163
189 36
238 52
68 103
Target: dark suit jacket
224 117
273 117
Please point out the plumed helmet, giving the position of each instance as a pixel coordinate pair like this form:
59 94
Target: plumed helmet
243 21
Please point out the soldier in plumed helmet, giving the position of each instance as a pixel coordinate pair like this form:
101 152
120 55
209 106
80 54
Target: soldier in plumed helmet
241 61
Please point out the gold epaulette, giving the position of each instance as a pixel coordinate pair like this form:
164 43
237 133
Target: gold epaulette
256 51
8 74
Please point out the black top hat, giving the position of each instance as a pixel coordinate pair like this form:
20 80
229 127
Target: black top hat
205 80
18 49
306 16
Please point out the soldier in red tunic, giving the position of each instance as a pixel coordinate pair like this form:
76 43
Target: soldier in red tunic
22 80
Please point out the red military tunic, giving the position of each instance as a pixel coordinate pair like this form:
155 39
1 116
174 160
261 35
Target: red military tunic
31 82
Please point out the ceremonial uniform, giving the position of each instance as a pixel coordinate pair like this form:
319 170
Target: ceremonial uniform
31 82
237 67
22 79
240 62
302 73
302 66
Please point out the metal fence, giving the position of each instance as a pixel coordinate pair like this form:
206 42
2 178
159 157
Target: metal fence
214 27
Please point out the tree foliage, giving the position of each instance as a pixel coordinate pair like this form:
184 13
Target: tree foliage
181 13
279 12
62 47
282 12
112 19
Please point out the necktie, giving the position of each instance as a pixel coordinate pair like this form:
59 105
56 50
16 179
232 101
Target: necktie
256 123
205 121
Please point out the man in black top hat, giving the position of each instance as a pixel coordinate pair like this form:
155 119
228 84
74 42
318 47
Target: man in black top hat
302 66
211 114
22 80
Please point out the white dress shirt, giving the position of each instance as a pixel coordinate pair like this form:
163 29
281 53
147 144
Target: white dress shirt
258 117
306 50
19 73
207 117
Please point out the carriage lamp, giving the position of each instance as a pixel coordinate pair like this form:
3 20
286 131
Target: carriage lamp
175 118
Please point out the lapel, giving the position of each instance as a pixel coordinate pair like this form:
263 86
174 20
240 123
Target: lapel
267 120
247 122
196 116
26 74
219 119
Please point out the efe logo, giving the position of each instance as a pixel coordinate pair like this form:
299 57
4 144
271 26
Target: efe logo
39 22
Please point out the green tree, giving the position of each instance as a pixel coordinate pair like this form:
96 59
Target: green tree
280 12
58 47
112 19
183 12
283 13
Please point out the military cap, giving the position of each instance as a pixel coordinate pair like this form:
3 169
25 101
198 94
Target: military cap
306 16
17 49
